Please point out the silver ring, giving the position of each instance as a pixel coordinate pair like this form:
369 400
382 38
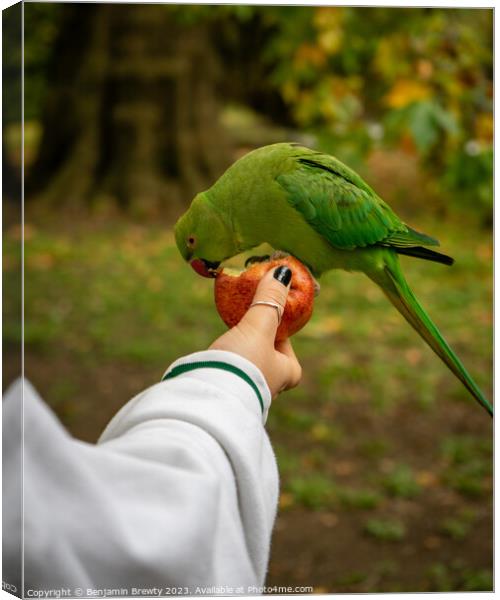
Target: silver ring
275 305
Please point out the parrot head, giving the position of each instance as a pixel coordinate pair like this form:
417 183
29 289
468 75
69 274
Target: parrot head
203 237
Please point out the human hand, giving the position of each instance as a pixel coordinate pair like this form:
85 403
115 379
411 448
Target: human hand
254 336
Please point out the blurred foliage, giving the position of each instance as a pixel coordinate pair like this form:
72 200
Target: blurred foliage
385 530
419 79
459 526
401 482
447 578
41 22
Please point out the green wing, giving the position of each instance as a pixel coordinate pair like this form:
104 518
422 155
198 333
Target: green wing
342 207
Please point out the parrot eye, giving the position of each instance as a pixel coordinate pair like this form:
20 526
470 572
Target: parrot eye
191 241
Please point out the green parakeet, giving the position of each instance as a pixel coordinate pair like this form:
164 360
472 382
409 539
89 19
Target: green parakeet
314 207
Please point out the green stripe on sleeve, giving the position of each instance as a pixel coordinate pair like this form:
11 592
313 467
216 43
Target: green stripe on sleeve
215 364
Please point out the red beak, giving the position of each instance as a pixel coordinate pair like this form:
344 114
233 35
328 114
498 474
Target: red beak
203 268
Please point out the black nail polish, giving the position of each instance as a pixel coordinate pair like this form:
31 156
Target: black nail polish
283 275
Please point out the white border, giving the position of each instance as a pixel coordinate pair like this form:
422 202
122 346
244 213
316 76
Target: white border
388 3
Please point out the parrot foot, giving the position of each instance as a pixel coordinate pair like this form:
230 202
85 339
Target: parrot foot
317 287
277 254
256 259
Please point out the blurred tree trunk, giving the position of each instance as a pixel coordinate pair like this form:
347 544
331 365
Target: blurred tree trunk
132 111
11 104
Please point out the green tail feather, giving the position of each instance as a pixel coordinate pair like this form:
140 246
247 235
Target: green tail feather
394 285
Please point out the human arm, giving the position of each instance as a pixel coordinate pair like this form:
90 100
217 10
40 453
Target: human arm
181 490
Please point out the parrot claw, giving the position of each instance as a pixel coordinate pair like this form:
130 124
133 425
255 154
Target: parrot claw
277 254
317 288
256 259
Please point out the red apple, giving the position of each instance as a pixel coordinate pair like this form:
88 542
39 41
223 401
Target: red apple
234 294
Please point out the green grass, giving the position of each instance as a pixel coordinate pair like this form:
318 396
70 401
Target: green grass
352 578
459 526
374 448
470 479
119 294
462 449
376 408
315 491
477 580
468 464
386 530
445 578
360 498
400 482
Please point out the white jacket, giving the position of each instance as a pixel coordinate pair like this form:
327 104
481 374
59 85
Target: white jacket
180 491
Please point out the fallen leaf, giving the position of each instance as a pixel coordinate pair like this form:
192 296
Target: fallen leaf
406 91
286 500
344 468
413 356
329 519
432 542
426 478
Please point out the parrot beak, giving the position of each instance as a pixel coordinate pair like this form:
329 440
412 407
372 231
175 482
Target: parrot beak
205 268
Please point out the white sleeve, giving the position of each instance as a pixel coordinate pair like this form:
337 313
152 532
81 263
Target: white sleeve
181 490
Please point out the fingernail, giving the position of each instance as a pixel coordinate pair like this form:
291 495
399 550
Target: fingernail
283 275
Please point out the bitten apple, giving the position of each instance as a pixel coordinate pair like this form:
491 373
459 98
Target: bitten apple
234 294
